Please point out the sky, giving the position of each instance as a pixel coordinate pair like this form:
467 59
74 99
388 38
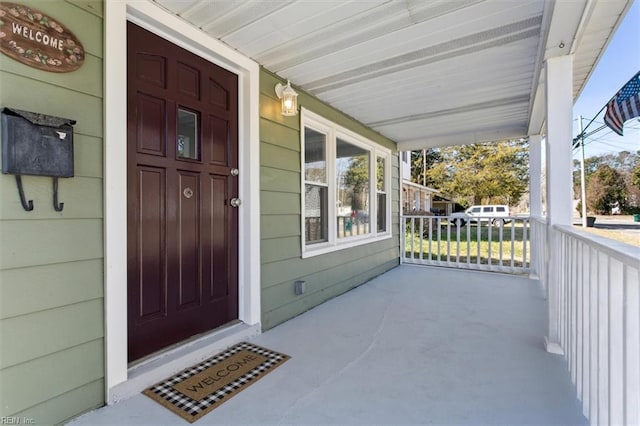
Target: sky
620 62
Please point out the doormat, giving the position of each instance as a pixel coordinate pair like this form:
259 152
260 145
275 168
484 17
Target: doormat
197 390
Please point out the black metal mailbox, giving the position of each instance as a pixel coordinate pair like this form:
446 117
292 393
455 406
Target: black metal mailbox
39 145
36 144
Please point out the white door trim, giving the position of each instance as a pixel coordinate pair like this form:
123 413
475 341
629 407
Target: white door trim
154 18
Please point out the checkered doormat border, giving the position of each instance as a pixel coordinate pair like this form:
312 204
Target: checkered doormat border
192 409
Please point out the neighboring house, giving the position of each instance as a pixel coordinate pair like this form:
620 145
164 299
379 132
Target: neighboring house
416 198
444 206
159 231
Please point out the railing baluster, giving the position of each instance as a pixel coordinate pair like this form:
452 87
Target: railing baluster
413 239
448 241
403 239
603 339
632 346
421 256
513 243
457 243
572 312
616 342
593 330
439 231
525 226
468 228
585 349
489 240
430 238
500 229
564 294
478 240
579 318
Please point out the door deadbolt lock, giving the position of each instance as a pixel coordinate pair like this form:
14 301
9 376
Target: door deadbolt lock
235 202
235 172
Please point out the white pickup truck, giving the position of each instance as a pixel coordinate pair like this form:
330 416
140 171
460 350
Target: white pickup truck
494 213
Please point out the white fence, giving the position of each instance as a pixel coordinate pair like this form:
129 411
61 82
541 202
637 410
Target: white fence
598 319
486 245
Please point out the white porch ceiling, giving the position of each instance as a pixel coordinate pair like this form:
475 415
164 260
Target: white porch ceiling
421 72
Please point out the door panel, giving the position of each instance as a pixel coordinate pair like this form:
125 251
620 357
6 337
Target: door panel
152 117
218 260
189 240
219 134
152 279
151 69
182 232
188 80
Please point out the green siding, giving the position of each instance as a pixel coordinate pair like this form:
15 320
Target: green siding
41 242
38 288
279 203
56 410
41 379
49 331
82 198
279 180
328 275
51 266
277 134
279 157
274 226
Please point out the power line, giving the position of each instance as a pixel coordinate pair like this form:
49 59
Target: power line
606 138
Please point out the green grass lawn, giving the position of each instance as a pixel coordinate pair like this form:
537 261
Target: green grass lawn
622 236
474 244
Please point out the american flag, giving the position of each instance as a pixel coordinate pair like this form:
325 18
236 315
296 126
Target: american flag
624 106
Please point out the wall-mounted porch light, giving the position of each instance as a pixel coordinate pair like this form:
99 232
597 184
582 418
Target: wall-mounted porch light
289 99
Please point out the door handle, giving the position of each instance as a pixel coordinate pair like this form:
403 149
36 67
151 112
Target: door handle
235 202
234 172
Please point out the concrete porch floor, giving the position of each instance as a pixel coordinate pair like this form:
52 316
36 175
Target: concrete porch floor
416 345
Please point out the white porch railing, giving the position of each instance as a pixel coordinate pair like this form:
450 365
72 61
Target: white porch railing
598 319
539 253
593 295
485 245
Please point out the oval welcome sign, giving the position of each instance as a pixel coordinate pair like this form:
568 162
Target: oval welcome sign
35 39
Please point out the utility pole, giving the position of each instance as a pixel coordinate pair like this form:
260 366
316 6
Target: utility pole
583 185
424 167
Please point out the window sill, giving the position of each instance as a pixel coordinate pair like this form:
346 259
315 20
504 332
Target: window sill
320 249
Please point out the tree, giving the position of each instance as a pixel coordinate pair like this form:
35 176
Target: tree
606 189
626 164
357 181
495 172
635 176
419 165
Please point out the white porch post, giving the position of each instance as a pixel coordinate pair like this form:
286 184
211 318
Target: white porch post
535 175
538 240
559 103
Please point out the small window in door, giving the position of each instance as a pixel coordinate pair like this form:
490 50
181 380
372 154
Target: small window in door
188 143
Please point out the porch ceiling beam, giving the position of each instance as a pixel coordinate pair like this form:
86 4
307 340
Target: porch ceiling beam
451 139
463 46
379 21
511 101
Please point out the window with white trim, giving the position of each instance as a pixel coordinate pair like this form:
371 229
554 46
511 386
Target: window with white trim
346 181
381 193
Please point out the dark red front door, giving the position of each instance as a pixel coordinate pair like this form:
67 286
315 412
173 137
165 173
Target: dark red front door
182 230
